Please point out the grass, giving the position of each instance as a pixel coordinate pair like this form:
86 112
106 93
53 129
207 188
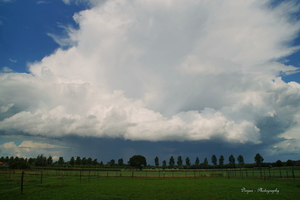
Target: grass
70 187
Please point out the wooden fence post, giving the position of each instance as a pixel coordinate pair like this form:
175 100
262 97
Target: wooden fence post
80 176
22 181
41 177
63 178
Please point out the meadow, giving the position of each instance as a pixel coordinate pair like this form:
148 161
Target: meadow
149 184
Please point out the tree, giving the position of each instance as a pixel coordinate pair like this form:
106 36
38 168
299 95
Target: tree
197 162
49 160
112 162
258 159
188 161
95 162
240 158
156 161
179 161
78 161
221 161
164 164
83 161
31 161
61 161
41 161
89 161
120 162
289 163
72 161
214 159
231 160
205 162
171 162
19 164
137 161
278 163
101 164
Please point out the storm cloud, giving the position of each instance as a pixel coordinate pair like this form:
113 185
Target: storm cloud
169 71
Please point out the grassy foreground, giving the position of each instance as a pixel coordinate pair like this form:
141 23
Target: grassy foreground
150 188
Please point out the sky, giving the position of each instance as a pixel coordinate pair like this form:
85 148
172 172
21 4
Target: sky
110 79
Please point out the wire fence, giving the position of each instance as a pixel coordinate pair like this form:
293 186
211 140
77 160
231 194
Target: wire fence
27 180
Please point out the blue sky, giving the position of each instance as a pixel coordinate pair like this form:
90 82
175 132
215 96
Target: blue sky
111 79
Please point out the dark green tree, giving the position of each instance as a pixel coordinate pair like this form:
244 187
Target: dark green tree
120 162
164 164
240 158
41 161
89 161
137 161
231 160
95 162
221 161
278 163
214 159
72 161
101 164
112 162
31 161
179 161
258 159
19 164
156 161
205 163
171 162
83 161
78 161
289 163
197 162
49 160
188 161
61 161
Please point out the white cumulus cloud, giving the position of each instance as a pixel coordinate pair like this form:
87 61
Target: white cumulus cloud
162 70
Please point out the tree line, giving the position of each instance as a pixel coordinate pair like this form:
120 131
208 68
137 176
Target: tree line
137 161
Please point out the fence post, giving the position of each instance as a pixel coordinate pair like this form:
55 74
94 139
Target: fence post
293 173
89 174
63 173
280 173
22 181
41 177
80 176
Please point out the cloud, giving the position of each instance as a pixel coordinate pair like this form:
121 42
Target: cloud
26 148
163 71
11 60
42 2
6 70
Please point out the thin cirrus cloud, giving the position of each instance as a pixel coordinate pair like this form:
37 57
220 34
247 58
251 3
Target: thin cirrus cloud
163 71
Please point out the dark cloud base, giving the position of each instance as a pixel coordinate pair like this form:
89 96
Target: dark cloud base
105 149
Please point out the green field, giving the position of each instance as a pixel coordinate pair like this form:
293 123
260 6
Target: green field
145 185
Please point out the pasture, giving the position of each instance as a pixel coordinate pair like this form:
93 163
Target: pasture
150 184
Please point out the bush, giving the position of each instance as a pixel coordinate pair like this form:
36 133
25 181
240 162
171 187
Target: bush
19 165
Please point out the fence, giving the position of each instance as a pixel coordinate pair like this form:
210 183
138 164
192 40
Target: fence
28 179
